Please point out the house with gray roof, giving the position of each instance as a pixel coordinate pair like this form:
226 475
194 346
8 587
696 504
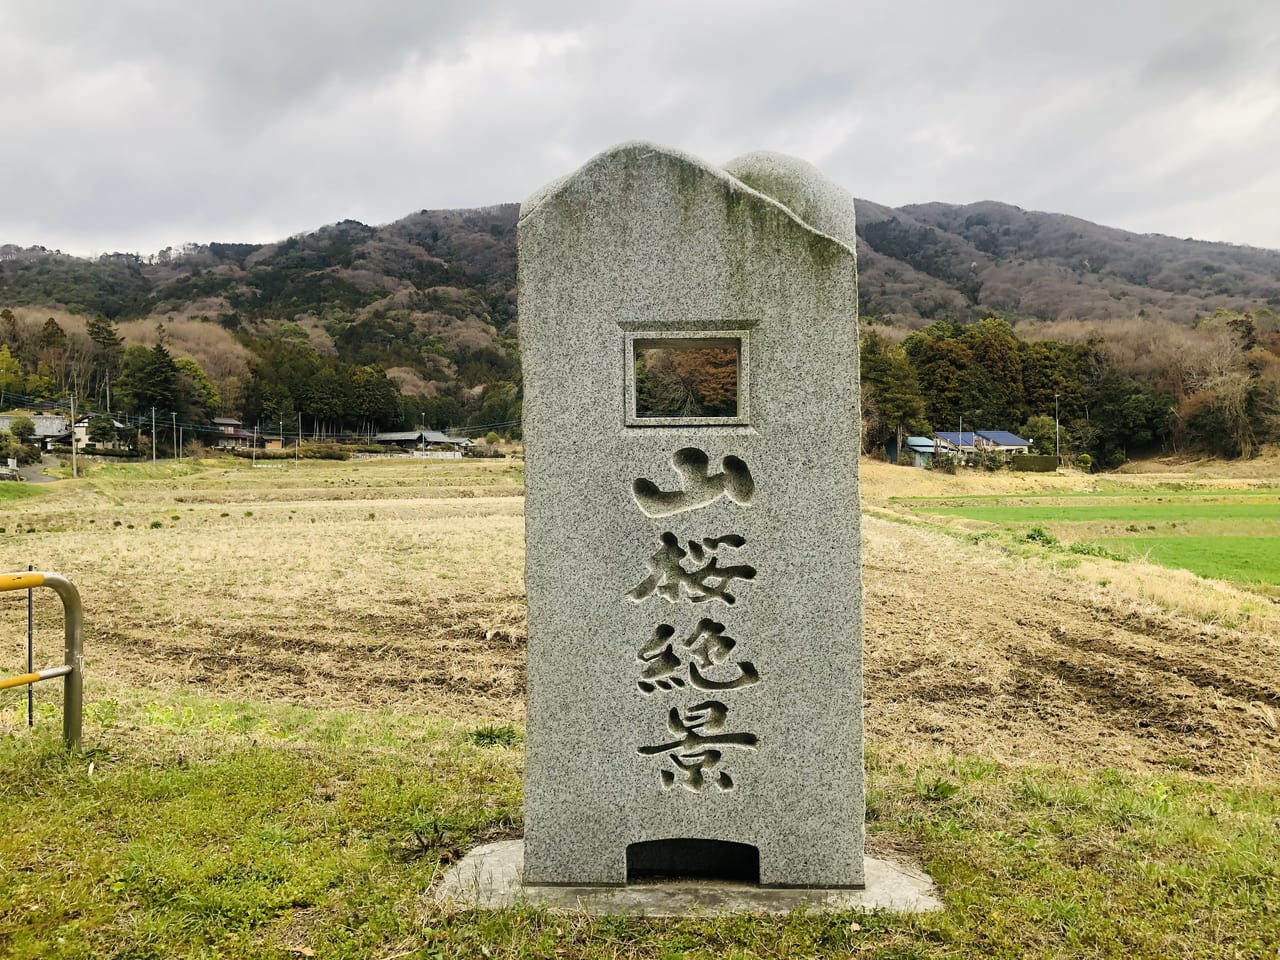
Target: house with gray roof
425 441
49 426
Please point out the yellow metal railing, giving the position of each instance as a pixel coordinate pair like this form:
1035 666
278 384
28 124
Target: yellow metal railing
72 670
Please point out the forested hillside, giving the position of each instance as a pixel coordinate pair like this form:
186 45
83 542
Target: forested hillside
938 261
354 327
357 328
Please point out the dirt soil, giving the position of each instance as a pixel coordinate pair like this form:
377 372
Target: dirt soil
966 649
983 654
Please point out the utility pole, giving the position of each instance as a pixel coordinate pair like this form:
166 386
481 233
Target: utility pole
153 434
176 451
254 455
74 471
1057 443
298 444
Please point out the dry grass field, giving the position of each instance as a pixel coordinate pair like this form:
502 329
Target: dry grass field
391 584
392 590
378 583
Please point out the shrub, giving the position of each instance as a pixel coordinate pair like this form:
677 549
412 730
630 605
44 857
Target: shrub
988 460
1087 549
1040 535
1034 463
89 451
311 451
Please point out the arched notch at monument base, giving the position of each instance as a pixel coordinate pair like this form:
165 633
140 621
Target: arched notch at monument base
688 858
489 878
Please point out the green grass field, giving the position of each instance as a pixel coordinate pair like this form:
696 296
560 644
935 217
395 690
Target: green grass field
1146 510
199 827
1242 560
1227 535
17 490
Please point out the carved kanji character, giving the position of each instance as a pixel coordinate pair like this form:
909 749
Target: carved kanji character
695 755
710 581
699 487
708 647
661 663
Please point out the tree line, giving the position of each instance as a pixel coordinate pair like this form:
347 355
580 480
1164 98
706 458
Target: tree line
1147 386
1216 390
291 385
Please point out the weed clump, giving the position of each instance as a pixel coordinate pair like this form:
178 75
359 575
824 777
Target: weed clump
1041 536
495 735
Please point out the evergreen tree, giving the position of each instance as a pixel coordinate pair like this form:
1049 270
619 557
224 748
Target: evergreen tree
108 354
149 378
101 429
23 429
53 351
11 378
197 398
890 389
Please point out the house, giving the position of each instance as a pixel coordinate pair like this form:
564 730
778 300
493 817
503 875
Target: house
424 442
81 432
959 444
231 434
921 450
964 446
916 451
1002 442
48 427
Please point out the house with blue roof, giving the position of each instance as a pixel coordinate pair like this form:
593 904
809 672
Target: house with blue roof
967 444
1002 441
957 444
921 451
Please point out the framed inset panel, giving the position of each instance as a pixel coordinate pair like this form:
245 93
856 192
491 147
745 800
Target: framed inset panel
687 378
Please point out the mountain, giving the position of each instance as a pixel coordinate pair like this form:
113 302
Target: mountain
430 298
932 261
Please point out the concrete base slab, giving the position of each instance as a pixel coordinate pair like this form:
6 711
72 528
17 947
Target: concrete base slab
489 877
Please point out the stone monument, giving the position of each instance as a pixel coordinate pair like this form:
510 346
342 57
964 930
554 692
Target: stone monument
690 346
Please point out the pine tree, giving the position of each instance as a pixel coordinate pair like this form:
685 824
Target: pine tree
108 354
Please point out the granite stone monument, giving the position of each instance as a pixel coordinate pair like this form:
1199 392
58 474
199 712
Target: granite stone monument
690 347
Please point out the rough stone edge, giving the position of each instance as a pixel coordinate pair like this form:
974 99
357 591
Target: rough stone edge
489 878
802 188
549 191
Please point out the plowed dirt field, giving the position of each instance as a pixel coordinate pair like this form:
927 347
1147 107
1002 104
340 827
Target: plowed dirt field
397 586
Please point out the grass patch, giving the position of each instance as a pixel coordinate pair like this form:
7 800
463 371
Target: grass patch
1238 559
496 735
1229 535
197 827
213 828
17 490
1121 512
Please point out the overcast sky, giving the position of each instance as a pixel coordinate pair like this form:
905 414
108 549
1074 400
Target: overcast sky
133 125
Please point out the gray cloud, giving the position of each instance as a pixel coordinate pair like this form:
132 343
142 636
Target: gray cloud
134 125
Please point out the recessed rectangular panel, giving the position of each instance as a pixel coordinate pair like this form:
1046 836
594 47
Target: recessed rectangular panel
686 379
